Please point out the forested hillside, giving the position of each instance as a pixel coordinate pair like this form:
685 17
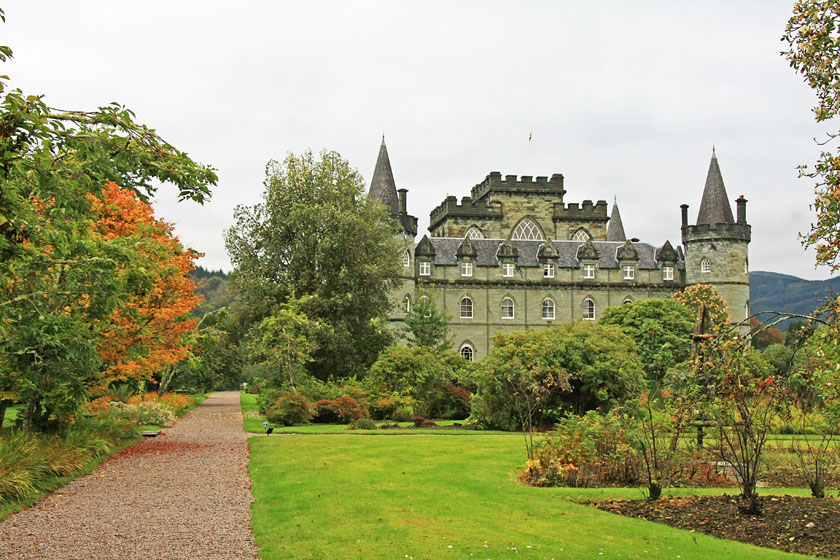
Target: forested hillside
771 291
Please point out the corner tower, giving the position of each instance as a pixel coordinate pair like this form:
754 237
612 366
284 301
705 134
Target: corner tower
716 247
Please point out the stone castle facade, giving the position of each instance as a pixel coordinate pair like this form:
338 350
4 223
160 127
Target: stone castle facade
514 255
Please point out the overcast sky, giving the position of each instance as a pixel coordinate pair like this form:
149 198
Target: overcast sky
625 99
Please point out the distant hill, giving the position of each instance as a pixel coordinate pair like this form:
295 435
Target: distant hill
771 291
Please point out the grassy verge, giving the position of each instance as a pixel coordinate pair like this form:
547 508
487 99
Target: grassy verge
434 497
53 483
253 422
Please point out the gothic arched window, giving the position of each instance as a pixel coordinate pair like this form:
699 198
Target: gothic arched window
527 229
406 258
705 266
474 233
581 235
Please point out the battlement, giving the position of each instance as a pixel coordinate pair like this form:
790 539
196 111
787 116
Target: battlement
740 232
468 208
524 184
585 211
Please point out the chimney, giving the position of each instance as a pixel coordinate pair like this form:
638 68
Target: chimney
684 208
403 204
741 202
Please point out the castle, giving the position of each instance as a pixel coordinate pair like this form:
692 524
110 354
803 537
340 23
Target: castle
513 255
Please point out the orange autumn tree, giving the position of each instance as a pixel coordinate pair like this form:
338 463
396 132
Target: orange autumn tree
146 334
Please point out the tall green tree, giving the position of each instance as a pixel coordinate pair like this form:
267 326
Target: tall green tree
315 234
661 329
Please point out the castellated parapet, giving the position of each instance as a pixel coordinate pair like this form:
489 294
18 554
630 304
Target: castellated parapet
584 212
702 232
522 185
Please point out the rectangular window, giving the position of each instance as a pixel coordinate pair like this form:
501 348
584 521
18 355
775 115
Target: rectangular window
629 272
425 268
667 272
548 271
589 271
466 269
507 270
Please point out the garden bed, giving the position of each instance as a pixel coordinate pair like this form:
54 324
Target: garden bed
792 524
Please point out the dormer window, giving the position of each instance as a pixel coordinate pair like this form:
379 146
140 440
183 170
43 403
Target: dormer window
589 271
507 270
705 266
667 272
629 272
466 269
425 268
548 271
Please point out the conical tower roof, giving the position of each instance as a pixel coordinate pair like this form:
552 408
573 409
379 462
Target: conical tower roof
382 185
615 229
714 208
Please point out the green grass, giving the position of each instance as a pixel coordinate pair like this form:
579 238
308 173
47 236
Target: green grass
415 497
253 422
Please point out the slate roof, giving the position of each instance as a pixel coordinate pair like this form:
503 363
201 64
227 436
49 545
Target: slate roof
382 186
447 247
615 229
714 208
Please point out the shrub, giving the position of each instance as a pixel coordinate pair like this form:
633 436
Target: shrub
266 399
342 409
178 403
291 408
420 422
362 424
148 412
593 450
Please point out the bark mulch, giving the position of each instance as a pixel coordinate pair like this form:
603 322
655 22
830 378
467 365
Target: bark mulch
794 524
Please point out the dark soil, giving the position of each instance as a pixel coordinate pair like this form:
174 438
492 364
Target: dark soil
794 524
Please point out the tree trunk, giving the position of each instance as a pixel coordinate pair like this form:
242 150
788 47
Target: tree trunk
654 491
3 406
28 413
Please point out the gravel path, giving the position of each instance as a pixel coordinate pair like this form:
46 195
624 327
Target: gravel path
182 495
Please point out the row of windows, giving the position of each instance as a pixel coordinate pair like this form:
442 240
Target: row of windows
508 269
509 308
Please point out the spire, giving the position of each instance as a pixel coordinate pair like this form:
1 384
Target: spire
615 229
382 185
714 208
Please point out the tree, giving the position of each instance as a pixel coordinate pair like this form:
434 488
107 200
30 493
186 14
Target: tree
661 329
764 336
284 340
425 324
315 234
430 376
58 279
572 367
148 331
703 294
813 40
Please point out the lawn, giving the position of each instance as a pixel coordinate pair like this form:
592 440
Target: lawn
322 496
253 422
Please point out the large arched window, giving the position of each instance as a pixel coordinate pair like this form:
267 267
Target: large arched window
407 304
581 235
507 308
588 310
474 233
467 352
705 266
527 229
466 308
406 258
548 309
